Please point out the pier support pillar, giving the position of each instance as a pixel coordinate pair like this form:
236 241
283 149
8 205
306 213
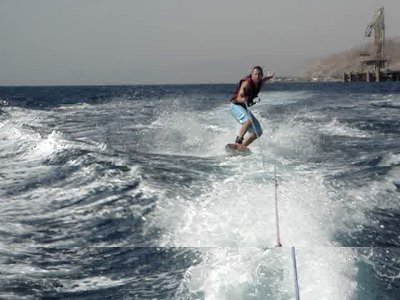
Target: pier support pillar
377 75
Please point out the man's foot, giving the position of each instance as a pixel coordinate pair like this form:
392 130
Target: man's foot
241 147
239 140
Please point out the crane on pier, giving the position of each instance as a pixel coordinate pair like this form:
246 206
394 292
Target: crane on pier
377 25
375 61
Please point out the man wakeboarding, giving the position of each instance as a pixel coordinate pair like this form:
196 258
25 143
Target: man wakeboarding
245 96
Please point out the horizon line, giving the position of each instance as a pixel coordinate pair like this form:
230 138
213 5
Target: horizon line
288 79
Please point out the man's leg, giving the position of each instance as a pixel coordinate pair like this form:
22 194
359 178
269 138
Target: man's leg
241 114
243 129
255 131
250 139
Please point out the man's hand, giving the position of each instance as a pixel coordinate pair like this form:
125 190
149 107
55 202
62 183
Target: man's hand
269 76
242 98
254 101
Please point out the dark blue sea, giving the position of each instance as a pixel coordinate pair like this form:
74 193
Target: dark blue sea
126 192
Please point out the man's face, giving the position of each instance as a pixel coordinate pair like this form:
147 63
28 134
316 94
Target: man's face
256 76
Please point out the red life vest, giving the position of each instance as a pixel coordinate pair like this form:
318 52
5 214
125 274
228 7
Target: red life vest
252 92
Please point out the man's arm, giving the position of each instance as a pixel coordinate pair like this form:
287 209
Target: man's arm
242 98
266 78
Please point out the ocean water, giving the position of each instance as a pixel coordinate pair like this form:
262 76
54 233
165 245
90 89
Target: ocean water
126 192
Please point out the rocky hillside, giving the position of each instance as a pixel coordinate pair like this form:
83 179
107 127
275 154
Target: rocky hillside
333 66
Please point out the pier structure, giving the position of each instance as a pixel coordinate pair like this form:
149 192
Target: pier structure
373 66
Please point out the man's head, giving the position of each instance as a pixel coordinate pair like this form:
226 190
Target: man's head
257 74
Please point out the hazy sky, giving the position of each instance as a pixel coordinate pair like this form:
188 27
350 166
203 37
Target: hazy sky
175 41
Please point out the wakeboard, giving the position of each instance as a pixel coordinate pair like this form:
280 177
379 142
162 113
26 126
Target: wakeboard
233 150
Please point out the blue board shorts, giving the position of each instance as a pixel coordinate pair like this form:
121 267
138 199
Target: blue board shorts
242 115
